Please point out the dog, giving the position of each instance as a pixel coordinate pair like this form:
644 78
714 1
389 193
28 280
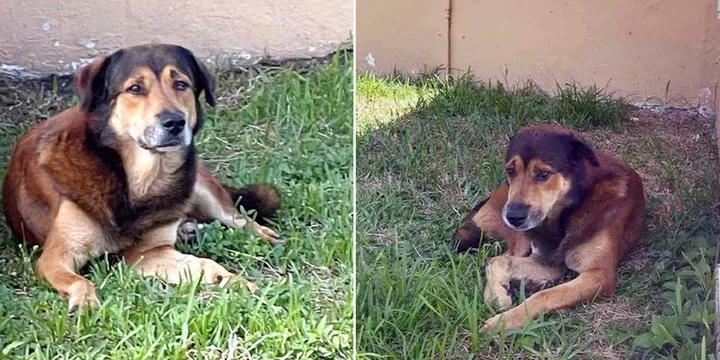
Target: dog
119 172
563 206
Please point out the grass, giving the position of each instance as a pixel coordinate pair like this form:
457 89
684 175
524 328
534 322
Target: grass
292 128
429 149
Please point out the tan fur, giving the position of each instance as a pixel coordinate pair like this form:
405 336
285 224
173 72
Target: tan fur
155 255
490 217
541 197
210 200
137 112
73 238
502 269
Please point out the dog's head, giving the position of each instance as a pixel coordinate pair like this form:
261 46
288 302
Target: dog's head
147 95
545 167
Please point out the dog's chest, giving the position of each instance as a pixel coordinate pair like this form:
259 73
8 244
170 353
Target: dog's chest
546 241
137 216
147 217
159 199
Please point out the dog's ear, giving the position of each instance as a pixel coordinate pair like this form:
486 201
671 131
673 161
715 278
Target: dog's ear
89 83
205 82
581 150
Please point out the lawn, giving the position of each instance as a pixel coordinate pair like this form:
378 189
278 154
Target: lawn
428 150
289 127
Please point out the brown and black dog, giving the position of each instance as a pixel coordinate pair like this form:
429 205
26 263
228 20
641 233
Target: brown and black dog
563 206
118 173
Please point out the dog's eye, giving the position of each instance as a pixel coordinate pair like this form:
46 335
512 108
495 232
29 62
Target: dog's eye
542 176
180 85
510 171
135 89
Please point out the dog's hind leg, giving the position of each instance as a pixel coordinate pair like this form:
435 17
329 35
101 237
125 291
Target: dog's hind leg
212 201
155 255
71 239
485 219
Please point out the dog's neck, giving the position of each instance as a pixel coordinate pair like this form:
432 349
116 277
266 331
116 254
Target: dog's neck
549 233
149 172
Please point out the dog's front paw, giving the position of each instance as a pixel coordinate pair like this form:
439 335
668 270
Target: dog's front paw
497 286
511 319
491 323
214 273
187 231
499 295
81 295
267 234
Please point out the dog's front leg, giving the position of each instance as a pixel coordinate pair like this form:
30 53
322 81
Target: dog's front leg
501 269
211 201
72 237
155 255
583 288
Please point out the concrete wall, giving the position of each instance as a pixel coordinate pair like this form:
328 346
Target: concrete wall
638 46
45 36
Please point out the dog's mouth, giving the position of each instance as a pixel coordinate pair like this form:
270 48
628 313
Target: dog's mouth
164 147
529 225
532 221
169 148
162 140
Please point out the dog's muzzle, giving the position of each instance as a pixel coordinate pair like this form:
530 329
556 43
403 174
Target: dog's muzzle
517 216
170 134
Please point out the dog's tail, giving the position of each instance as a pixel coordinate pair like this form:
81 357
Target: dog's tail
263 198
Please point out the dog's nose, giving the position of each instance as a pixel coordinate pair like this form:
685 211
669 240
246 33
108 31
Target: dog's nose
516 214
172 121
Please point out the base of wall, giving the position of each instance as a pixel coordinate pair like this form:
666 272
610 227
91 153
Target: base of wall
220 62
702 111
62 82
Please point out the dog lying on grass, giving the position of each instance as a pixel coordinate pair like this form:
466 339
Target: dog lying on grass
119 172
563 206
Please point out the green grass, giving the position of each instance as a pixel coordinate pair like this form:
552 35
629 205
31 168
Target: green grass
570 104
428 150
287 127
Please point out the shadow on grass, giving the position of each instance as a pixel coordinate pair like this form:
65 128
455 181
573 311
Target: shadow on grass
429 149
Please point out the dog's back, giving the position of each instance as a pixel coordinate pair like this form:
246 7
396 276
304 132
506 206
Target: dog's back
624 183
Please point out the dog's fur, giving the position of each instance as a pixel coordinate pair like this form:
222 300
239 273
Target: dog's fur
118 173
563 206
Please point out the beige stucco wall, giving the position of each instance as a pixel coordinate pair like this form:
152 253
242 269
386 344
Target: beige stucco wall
638 46
43 36
406 34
